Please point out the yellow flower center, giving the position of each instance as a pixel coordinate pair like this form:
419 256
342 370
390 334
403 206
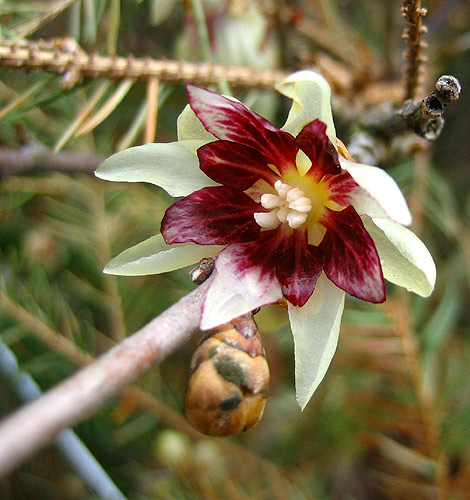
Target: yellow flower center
299 201
289 205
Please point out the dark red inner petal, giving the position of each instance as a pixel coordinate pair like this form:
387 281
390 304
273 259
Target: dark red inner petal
231 120
234 165
314 142
262 252
299 267
212 216
351 259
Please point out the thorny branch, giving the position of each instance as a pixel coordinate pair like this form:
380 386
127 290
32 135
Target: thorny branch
64 56
413 34
81 394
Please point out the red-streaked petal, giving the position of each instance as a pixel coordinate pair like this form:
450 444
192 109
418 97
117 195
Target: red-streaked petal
314 142
342 188
245 279
231 120
351 259
212 216
234 165
345 190
299 267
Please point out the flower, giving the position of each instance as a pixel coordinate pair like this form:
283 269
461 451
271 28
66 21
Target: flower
286 215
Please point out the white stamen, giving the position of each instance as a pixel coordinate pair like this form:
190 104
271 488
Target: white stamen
268 220
296 219
282 214
289 206
282 188
294 194
303 204
269 200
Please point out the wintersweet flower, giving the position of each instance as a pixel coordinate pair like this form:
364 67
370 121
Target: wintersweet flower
284 213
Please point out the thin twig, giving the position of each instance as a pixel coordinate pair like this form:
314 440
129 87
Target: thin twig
35 156
69 444
65 57
413 33
76 397
152 110
145 401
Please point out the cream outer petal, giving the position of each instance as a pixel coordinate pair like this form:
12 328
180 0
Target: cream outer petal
231 295
154 256
311 97
382 196
315 328
171 166
191 128
405 259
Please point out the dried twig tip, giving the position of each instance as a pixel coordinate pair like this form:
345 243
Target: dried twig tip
448 89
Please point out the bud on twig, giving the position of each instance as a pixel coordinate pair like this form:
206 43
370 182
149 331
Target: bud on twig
228 385
425 118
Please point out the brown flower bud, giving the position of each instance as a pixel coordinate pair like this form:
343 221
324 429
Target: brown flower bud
228 385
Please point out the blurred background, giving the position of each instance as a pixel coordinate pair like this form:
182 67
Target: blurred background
392 418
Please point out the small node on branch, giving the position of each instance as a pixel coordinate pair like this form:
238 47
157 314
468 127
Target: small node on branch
448 89
425 117
371 142
202 271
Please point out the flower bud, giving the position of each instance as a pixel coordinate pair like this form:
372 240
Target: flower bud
228 385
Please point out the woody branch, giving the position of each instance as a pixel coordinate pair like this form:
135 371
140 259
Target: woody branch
65 57
75 398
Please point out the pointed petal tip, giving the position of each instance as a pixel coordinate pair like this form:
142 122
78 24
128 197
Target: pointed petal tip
102 171
302 402
115 270
315 328
423 294
190 88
